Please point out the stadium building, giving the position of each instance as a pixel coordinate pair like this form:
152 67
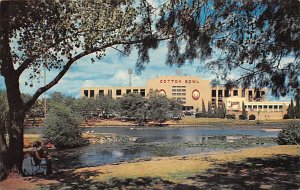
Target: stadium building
192 92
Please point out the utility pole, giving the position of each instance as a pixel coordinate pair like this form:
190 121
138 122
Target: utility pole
45 96
130 73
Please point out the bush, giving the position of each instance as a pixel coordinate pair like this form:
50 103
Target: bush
289 135
252 117
230 116
286 116
242 117
62 128
200 114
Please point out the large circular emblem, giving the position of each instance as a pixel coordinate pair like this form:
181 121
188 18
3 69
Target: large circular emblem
162 92
195 94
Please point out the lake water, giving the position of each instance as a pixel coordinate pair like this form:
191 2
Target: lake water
152 142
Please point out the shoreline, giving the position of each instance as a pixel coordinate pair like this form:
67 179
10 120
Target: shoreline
185 122
228 167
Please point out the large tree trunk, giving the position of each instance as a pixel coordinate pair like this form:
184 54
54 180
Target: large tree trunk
12 156
3 149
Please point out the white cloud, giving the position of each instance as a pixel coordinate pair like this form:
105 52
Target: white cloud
88 83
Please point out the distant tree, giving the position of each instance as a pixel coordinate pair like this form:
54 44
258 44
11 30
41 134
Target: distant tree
224 109
216 111
244 110
291 110
59 98
158 106
62 127
221 111
174 106
297 100
209 109
83 106
203 108
106 104
133 105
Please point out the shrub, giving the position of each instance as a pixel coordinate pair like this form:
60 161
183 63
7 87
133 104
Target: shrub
200 114
230 116
62 128
286 116
289 135
242 117
252 117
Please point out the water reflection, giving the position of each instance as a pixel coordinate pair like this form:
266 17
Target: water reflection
152 142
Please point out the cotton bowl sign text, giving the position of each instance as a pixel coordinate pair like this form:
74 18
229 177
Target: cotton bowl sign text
180 81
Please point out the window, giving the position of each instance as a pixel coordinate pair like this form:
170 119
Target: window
249 107
265 106
128 91
280 107
227 93
235 92
220 93
101 92
174 94
143 93
135 91
118 92
250 94
260 107
257 94
86 93
213 93
254 106
270 107
92 93
275 107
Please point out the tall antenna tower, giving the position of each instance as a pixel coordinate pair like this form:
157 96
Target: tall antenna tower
130 72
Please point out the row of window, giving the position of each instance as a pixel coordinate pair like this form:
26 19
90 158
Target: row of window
236 93
275 107
178 90
91 93
178 86
178 94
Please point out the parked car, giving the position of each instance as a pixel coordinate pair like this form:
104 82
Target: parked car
176 116
187 113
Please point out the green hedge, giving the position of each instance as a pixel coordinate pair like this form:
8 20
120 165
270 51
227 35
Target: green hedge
290 135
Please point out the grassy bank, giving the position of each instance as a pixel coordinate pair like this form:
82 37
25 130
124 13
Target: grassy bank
177 169
230 122
256 168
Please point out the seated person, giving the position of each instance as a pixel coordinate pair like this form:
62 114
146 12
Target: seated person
41 156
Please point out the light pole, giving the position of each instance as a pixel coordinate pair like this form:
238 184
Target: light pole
45 96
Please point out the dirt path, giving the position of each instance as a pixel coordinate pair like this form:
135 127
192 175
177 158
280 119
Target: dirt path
274 167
